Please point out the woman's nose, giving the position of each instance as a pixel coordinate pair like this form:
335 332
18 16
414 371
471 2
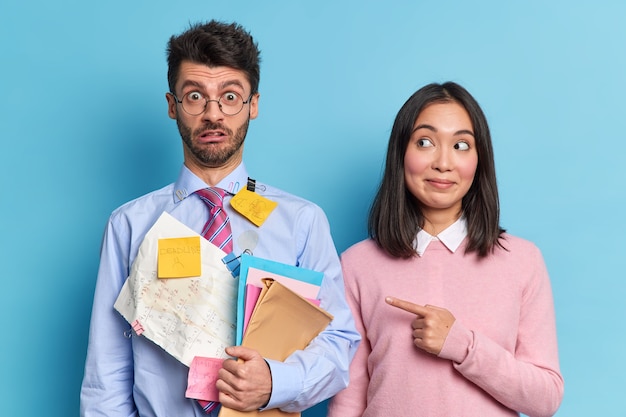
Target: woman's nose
443 160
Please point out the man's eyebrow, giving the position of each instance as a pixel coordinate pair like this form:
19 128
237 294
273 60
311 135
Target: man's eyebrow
188 83
434 129
231 83
222 86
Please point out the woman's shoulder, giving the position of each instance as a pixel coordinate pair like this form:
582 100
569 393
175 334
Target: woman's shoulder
364 248
516 244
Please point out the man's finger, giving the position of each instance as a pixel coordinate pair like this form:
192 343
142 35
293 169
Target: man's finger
406 306
241 352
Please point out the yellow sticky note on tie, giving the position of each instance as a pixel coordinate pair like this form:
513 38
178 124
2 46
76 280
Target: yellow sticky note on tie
253 206
179 257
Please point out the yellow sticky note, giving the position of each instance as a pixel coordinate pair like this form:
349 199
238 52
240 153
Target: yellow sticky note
252 206
179 257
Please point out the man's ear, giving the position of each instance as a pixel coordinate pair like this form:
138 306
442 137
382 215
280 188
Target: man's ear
254 106
171 105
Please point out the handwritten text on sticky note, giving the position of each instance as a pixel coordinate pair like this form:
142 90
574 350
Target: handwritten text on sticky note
179 257
253 206
202 377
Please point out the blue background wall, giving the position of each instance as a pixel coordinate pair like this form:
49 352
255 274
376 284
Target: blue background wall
84 128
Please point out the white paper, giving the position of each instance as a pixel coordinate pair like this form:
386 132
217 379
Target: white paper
187 317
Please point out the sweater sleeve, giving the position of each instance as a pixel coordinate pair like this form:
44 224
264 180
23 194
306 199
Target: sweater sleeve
527 380
351 402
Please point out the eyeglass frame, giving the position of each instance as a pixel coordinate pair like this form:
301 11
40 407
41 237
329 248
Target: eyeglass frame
208 100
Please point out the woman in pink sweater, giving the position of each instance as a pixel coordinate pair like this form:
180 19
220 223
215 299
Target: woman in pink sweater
456 315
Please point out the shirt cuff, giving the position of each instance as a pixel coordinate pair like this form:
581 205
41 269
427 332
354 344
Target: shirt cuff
457 345
286 380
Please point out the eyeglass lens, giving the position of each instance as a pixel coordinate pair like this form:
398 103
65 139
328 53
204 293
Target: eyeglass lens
230 103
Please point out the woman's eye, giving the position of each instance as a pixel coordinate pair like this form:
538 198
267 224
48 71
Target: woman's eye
424 143
461 146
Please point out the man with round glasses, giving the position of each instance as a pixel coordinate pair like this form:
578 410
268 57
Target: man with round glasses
213 77
194 103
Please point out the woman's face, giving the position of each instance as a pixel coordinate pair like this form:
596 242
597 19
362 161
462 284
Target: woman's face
441 160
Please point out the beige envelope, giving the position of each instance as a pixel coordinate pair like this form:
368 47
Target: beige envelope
281 323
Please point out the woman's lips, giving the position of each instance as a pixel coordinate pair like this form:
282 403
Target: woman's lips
440 183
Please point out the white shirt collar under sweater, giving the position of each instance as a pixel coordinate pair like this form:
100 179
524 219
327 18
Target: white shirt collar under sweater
451 237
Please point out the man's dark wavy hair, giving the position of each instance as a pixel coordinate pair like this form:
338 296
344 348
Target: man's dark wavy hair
215 44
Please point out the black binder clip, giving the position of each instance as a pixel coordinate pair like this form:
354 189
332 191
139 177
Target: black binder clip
251 184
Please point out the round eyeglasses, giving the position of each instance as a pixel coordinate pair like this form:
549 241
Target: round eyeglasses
195 103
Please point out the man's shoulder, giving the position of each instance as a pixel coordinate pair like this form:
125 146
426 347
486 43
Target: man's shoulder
154 201
281 196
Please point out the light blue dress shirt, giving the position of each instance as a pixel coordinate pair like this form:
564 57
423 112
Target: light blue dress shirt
134 377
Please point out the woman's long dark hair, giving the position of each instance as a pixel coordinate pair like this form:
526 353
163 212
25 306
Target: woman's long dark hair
395 216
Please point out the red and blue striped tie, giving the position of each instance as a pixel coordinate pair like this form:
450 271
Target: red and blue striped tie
217 228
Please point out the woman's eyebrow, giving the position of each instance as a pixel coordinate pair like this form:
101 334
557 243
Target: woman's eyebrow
464 132
425 126
434 129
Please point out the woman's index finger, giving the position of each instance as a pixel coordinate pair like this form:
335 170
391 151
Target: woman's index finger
406 305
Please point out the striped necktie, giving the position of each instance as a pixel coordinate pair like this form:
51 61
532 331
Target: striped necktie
208 406
217 231
217 228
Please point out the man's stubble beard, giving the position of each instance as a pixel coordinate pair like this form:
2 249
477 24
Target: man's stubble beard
207 155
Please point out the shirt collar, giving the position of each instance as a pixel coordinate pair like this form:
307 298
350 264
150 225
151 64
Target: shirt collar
188 183
451 237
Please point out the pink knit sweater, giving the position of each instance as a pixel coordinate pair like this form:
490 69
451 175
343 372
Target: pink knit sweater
500 357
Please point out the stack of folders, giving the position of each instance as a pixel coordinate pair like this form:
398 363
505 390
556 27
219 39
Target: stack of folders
281 322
